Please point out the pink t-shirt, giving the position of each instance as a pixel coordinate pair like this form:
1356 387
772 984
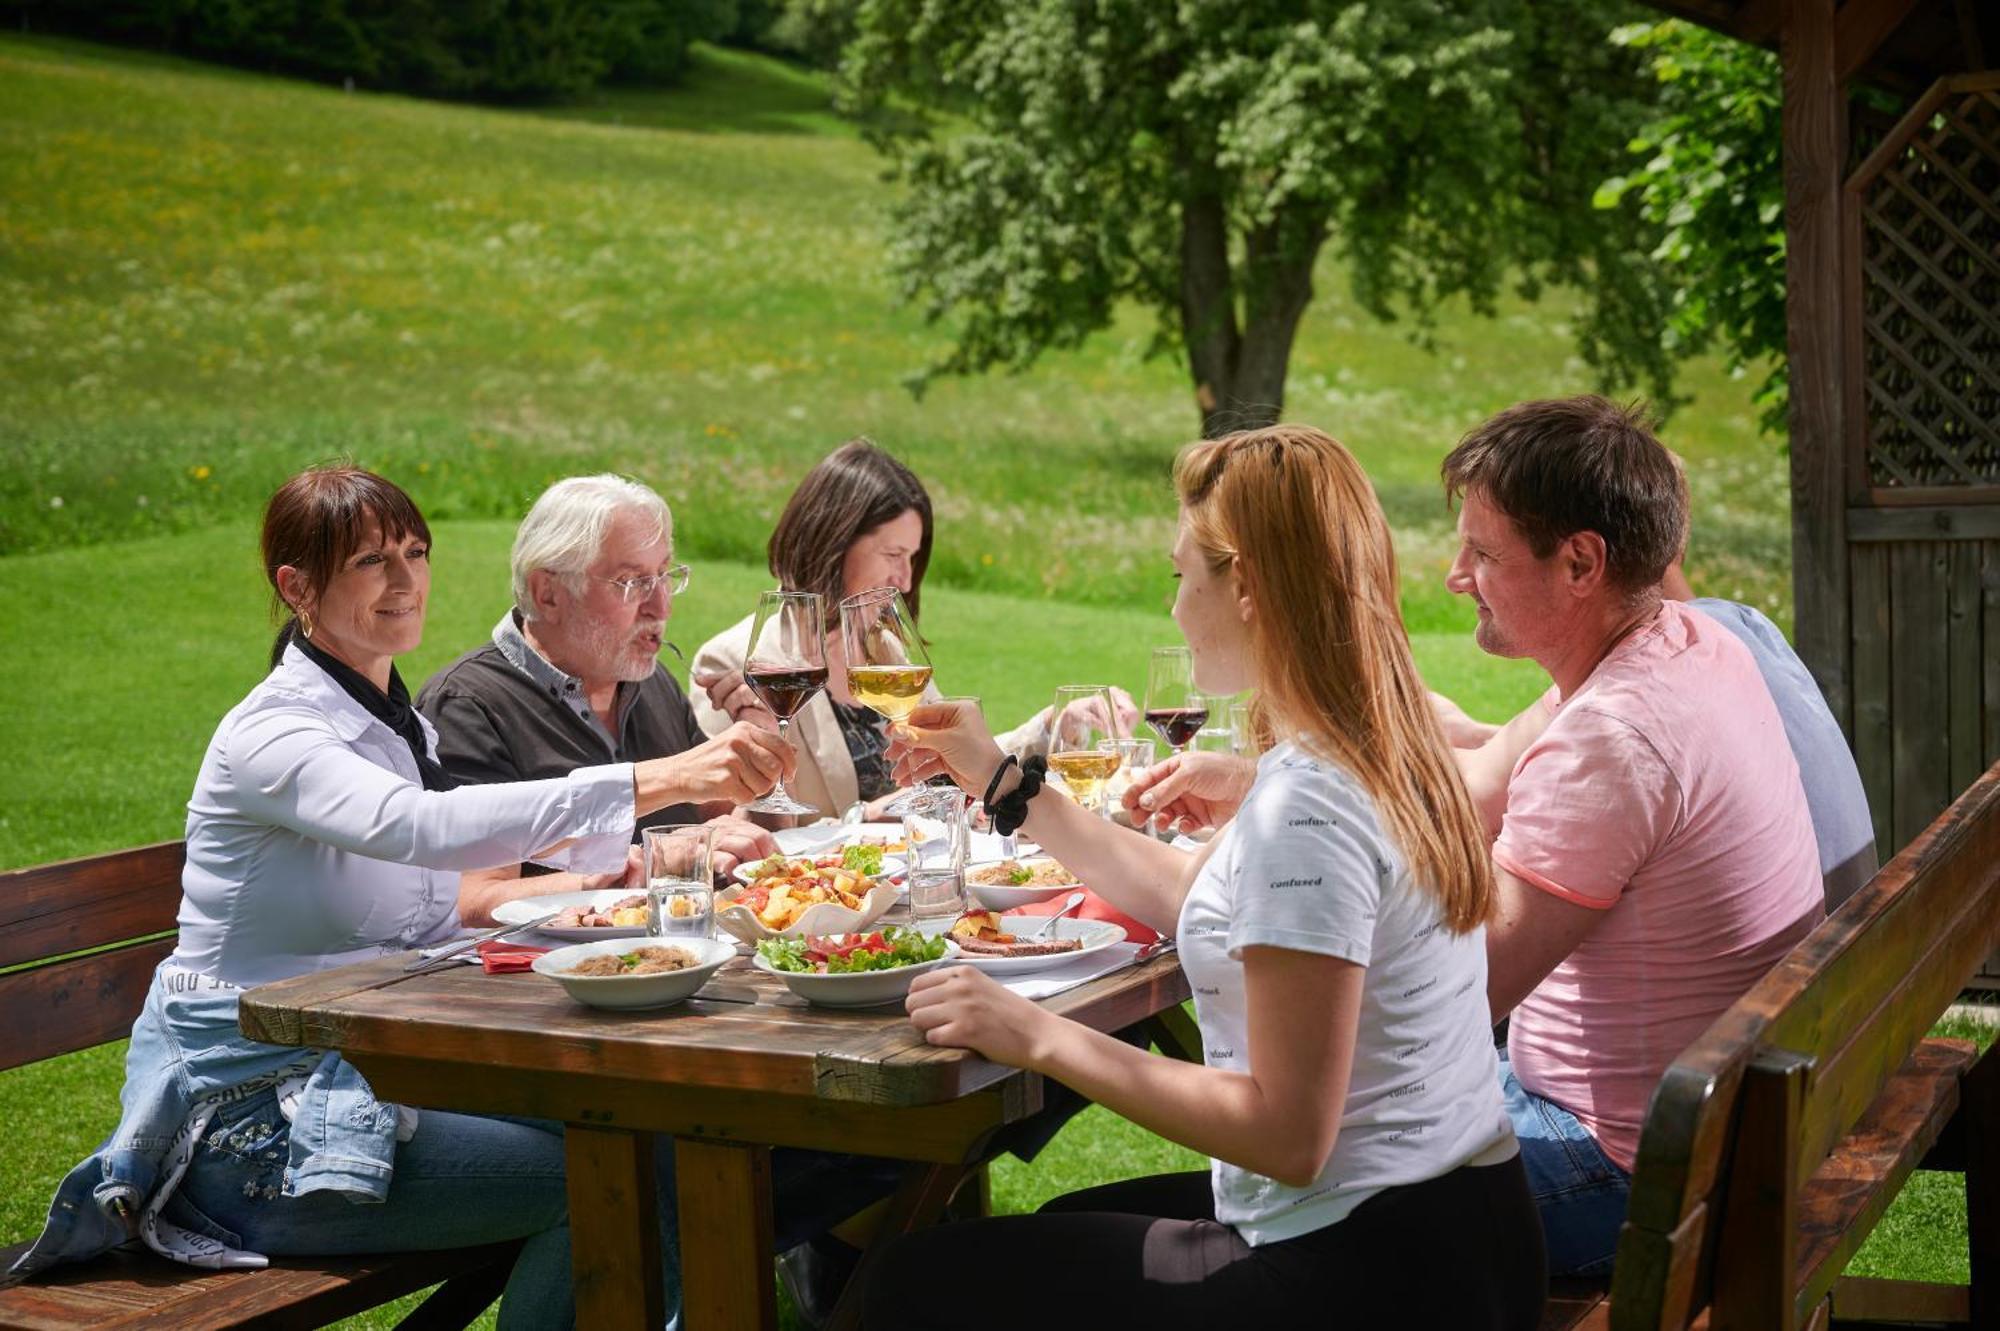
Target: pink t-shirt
1664 794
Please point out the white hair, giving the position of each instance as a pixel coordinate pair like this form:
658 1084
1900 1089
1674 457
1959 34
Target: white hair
564 532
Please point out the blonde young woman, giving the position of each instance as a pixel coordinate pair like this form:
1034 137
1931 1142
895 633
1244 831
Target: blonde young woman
1364 1172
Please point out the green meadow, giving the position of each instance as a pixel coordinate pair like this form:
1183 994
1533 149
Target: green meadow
209 279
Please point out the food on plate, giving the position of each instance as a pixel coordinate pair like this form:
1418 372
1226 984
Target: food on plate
1023 873
980 933
862 858
846 954
639 961
781 890
624 913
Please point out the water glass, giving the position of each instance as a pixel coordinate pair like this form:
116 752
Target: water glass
1135 755
937 896
680 893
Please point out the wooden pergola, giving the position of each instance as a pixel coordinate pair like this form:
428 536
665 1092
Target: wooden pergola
1892 225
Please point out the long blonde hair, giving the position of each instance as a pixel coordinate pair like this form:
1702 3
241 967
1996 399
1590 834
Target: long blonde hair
1294 512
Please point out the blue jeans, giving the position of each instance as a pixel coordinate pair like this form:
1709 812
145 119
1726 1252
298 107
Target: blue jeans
464 1180
1579 1191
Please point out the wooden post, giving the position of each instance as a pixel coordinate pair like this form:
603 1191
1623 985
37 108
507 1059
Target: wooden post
614 1214
1761 1213
1815 151
725 1231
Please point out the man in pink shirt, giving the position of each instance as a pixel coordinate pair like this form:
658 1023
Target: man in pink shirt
1653 852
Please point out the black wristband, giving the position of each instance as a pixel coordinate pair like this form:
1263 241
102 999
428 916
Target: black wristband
1009 761
1012 810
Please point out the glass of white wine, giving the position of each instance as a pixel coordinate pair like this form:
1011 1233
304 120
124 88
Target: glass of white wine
888 669
1080 718
785 667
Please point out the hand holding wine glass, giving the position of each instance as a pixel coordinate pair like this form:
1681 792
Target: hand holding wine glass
786 666
888 669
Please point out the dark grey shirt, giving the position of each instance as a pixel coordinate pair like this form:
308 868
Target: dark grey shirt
1834 793
504 713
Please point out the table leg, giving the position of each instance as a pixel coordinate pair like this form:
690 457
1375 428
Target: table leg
614 1224
918 1202
725 1231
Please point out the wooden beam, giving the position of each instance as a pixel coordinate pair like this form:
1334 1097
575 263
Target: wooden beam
1942 522
1861 29
1815 151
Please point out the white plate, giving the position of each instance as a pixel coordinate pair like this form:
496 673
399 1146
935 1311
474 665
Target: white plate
1096 935
859 989
828 917
1001 897
632 992
823 837
522 909
892 867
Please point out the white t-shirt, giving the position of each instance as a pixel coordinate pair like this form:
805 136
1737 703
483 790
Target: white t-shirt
1306 865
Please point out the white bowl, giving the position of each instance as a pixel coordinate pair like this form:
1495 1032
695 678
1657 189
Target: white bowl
856 988
634 991
828 917
1003 898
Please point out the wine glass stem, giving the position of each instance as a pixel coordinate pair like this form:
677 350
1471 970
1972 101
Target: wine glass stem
778 790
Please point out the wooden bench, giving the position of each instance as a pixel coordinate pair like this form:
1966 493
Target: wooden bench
78 944
1775 1143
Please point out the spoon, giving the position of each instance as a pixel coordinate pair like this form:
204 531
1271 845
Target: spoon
1075 900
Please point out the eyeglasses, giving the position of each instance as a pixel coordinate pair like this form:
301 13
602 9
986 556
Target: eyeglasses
675 579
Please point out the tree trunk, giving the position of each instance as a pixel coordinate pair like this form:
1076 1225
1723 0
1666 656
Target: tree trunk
1277 287
1208 304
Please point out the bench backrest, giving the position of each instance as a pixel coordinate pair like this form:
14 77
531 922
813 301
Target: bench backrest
1780 1078
78 944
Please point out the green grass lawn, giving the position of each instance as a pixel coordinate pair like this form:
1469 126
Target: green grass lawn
209 279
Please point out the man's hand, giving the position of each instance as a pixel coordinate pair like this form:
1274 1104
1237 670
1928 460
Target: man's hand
1190 790
1460 730
736 766
737 841
734 698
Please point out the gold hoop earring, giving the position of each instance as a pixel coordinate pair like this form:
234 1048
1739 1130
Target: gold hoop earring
305 625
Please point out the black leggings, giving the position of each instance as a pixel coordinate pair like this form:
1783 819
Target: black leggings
1460 1253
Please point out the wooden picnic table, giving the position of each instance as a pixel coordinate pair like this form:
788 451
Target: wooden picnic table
741 1067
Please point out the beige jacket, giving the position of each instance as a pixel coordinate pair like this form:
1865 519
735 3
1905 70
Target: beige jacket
826 776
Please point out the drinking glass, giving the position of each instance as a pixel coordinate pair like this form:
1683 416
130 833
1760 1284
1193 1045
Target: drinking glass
680 894
888 669
937 897
1080 717
1175 709
1135 755
786 666
1242 735
937 836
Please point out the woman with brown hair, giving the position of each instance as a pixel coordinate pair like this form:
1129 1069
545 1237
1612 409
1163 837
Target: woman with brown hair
1364 1171
859 519
323 831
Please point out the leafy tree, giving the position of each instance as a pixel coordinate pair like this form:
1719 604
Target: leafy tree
1710 178
1197 158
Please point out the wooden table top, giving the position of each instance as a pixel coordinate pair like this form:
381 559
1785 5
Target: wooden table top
743 1031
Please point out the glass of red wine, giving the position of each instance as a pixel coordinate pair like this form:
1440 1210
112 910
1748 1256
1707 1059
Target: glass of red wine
1175 709
786 666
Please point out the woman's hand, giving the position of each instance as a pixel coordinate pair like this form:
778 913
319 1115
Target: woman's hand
1190 790
734 698
948 737
968 1009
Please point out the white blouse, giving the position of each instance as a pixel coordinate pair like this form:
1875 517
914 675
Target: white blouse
311 842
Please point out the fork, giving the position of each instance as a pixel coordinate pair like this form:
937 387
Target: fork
1075 900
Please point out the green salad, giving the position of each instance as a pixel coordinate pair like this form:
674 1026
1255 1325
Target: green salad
862 859
846 954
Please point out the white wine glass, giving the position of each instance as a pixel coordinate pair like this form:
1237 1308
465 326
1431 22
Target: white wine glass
786 667
888 669
1080 718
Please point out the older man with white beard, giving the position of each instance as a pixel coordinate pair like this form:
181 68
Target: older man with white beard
571 677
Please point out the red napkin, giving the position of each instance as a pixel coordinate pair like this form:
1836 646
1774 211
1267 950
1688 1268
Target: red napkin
1094 907
500 956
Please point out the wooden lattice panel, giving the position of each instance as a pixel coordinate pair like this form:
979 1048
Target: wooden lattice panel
1929 201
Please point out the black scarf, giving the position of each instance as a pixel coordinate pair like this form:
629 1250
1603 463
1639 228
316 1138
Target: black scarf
392 709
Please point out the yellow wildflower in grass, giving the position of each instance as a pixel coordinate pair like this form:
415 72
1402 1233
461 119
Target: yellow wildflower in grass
200 473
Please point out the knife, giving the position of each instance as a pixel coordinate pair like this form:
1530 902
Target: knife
467 944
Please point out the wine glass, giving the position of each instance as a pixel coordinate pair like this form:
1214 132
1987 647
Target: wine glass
1080 717
1175 709
786 666
888 669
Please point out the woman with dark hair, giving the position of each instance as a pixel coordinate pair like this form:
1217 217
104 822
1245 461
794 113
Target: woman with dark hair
321 832
859 519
